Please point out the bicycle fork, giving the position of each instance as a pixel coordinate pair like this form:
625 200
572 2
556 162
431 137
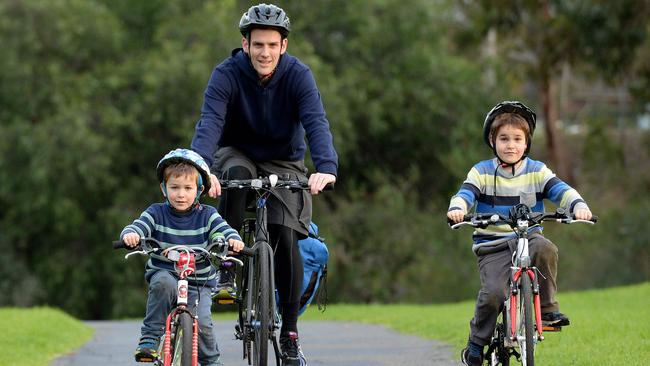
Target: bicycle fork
514 291
181 308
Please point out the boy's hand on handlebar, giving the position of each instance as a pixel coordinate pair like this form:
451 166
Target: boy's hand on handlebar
582 214
318 181
236 245
131 240
456 216
215 188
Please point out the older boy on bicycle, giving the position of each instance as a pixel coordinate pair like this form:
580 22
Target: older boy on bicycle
183 177
493 186
259 105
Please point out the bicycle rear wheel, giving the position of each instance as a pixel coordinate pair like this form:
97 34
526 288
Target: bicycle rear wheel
182 340
261 311
526 336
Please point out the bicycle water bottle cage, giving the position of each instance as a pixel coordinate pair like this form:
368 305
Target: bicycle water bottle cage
519 212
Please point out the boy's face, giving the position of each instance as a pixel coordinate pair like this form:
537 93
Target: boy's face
264 48
181 191
510 144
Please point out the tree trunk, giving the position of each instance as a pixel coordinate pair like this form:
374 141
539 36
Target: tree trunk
557 159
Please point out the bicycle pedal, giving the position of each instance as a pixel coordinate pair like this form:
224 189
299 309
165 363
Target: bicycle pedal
551 328
145 359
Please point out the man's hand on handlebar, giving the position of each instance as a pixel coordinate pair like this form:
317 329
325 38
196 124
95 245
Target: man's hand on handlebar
318 181
131 240
215 189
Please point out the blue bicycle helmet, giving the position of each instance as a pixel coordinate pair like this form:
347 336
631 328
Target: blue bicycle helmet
189 157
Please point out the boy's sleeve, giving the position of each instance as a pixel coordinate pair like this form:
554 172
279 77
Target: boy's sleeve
468 194
219 227
560 193
143 226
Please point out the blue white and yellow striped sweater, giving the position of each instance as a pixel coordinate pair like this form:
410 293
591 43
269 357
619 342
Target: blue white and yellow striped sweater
198 227
531 183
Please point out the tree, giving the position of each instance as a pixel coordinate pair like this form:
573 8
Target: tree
539 38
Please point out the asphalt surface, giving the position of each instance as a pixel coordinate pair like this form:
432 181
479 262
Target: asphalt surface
324 343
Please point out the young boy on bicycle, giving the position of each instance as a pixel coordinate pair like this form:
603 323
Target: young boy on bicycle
181 219
493 186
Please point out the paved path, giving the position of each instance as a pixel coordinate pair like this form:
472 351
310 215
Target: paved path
325 343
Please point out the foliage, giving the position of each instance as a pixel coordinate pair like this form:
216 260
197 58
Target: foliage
34 337
94 92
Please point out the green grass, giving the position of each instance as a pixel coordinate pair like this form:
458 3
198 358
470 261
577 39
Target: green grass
608 327
34 337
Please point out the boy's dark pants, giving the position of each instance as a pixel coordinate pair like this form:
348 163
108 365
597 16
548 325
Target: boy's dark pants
494 269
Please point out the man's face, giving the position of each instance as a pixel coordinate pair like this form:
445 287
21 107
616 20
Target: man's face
264 49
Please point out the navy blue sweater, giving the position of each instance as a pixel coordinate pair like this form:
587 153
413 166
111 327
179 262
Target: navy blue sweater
266 122
198 227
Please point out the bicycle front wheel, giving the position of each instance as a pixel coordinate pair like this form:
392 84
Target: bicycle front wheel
261 312
182 340
526 336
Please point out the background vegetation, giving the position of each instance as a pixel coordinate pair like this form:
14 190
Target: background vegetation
94 92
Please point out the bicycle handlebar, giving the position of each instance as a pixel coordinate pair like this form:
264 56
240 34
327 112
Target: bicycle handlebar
269 182
483 220
218 248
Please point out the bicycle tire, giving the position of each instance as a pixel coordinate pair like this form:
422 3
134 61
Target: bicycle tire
261 305
182 340
527 327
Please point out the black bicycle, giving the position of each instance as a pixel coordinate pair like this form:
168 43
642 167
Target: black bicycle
519 325
259 318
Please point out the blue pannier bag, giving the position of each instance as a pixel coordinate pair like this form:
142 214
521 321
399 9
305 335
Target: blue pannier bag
314 259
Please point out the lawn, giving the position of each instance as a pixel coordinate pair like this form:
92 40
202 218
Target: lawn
34 337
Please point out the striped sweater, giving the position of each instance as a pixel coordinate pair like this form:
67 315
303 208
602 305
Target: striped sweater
198 228
531 183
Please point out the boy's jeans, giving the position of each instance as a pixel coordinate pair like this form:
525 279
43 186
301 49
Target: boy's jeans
494 269
162 295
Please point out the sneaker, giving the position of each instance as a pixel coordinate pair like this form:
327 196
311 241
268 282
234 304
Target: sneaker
555 319
146 352
291 352
226 287
472 356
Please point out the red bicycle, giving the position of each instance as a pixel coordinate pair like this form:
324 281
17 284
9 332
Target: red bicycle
179 344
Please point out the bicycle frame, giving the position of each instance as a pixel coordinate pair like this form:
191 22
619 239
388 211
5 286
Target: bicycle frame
248 327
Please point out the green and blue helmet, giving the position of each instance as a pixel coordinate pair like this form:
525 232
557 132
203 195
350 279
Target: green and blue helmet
189 157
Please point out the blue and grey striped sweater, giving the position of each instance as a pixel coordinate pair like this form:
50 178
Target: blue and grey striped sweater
198 227
531 183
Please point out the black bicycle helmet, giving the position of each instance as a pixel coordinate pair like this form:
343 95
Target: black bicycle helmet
509 107
264 15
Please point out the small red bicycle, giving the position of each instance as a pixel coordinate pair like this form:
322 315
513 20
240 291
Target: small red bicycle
179 344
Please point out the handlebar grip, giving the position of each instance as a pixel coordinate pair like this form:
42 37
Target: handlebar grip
329 187
594 219
119 244
247 251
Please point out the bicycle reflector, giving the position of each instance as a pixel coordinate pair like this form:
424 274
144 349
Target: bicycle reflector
185 264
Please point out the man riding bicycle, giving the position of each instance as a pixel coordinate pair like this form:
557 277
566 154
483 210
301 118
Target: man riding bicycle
259 105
